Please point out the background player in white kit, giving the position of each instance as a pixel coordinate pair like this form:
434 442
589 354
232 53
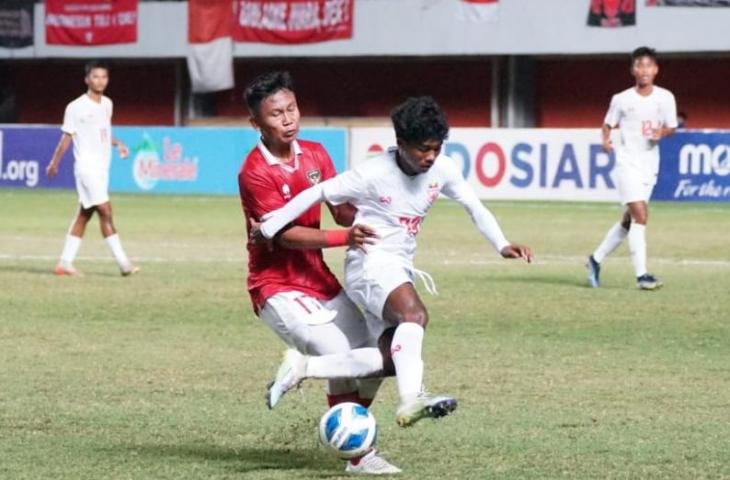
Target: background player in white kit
644 114
393 194
87 123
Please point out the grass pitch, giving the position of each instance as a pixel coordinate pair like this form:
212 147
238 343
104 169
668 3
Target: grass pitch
162 375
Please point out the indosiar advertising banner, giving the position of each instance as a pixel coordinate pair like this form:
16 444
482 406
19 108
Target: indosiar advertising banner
569 164
695 166
517 164
164 160
25 153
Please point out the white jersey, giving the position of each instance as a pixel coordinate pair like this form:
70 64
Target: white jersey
637 116
89 123
396 204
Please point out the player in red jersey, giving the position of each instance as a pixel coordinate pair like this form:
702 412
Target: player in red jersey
292 289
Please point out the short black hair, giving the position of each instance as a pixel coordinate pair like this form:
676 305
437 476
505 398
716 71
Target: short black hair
264 86
643 52
419 119
92 64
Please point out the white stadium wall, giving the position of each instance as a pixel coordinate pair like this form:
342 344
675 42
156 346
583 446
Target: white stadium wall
431 27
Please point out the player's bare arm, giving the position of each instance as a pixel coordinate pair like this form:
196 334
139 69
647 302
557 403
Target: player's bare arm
344 214
304 238
662 132
63 143
121 148
606 135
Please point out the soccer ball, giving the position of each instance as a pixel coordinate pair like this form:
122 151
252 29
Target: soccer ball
348 429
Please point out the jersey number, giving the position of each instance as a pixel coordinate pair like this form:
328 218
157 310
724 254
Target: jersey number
412 224
646 129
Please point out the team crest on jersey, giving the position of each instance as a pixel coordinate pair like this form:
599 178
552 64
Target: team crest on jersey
286 192
314 176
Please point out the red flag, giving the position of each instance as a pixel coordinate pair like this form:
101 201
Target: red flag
91 22
612 13
293 21
210 61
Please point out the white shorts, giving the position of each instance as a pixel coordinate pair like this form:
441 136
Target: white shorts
317 327
632 186
93 189
370 278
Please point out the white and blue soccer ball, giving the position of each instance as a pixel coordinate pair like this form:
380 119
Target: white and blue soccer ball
348 429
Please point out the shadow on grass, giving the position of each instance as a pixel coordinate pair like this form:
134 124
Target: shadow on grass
315 463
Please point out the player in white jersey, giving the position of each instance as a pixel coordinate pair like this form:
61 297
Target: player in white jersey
644 114
87 123
393 194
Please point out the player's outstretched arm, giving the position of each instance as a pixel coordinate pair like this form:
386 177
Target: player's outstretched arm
121 147
305 238
63 143
296 207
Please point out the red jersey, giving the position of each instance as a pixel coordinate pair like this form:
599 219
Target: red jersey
265 185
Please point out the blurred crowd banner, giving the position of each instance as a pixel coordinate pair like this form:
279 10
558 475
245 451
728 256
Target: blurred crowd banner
161 160
292 21
16 23
688 3
612 13
562 164
91 22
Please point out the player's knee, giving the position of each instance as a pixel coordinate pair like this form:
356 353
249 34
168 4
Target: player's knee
640 218
417 315
384 343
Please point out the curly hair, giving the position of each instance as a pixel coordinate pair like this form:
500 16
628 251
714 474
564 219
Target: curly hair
419 119
264 86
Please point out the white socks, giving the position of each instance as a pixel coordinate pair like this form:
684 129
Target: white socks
116 247
70 249
357 363
406 352
637 247
614 237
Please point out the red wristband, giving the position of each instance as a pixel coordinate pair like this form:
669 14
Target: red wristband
336 238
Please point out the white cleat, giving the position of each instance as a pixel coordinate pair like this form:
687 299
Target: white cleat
424 405
372 464
289 375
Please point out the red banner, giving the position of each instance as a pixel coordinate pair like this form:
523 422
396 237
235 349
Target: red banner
91 22
292 21
612 13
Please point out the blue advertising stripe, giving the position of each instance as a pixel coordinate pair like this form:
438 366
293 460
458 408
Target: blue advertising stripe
695 167
165 160
24 156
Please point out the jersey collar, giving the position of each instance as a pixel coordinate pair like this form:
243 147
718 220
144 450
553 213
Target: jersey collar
272 160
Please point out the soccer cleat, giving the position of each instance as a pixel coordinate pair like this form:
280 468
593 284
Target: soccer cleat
594 271
130 270
289 375
648 282
424 405
66 270
372 464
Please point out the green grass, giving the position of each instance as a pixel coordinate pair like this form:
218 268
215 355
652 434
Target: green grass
162 375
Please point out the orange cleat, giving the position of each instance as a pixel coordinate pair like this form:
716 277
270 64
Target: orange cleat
68 271
131 270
